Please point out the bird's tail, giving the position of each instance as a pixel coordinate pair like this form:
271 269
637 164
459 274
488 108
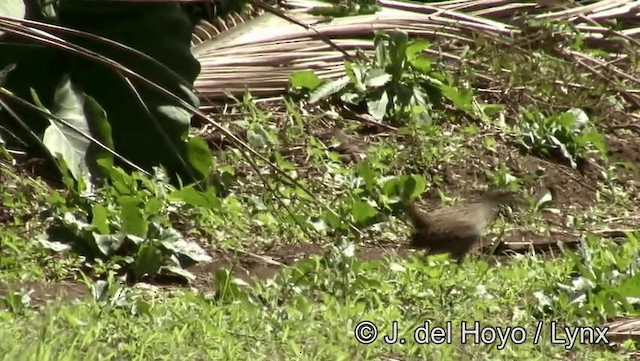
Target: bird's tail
416 216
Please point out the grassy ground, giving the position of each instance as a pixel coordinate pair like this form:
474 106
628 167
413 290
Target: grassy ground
274 290
314 321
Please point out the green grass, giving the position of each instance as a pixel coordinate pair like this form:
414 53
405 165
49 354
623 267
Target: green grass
312 320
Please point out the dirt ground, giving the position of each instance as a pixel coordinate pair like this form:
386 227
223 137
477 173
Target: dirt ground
39 293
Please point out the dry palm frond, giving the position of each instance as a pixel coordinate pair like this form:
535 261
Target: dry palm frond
208 30
259 55
623 329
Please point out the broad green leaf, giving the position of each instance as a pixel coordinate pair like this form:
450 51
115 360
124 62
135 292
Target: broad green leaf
142 308
397 52
99 218
60 140
377 107
362 212
173 241
54 245
421 63
133 221
108 243
334 221
581 119
99 290
461 98
178 271
153 206
304 79
380 59
258 203
392 187
135 239
597 139
148 260
546 198
413 186
368 175
135 127
396 267
415 47
327 89
352 97
350 72
206 199
199 156
563 150
630 287
376 77
492 109
419 101
101 131
258 137
359 74
282 162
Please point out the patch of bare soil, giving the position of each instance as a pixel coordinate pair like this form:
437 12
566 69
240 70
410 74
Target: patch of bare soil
250 267
41 292
521 241
626 148
253 268
38 167
6 216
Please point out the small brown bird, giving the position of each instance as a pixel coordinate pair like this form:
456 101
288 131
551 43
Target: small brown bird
351 148
455 230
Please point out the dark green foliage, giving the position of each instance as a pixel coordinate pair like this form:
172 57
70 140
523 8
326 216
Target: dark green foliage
148 127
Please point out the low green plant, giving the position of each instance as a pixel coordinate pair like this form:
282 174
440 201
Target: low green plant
568 134
604 282
128 225
374 197
16 301
502 178
398 83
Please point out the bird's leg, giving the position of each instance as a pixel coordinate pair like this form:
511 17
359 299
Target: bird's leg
458 257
